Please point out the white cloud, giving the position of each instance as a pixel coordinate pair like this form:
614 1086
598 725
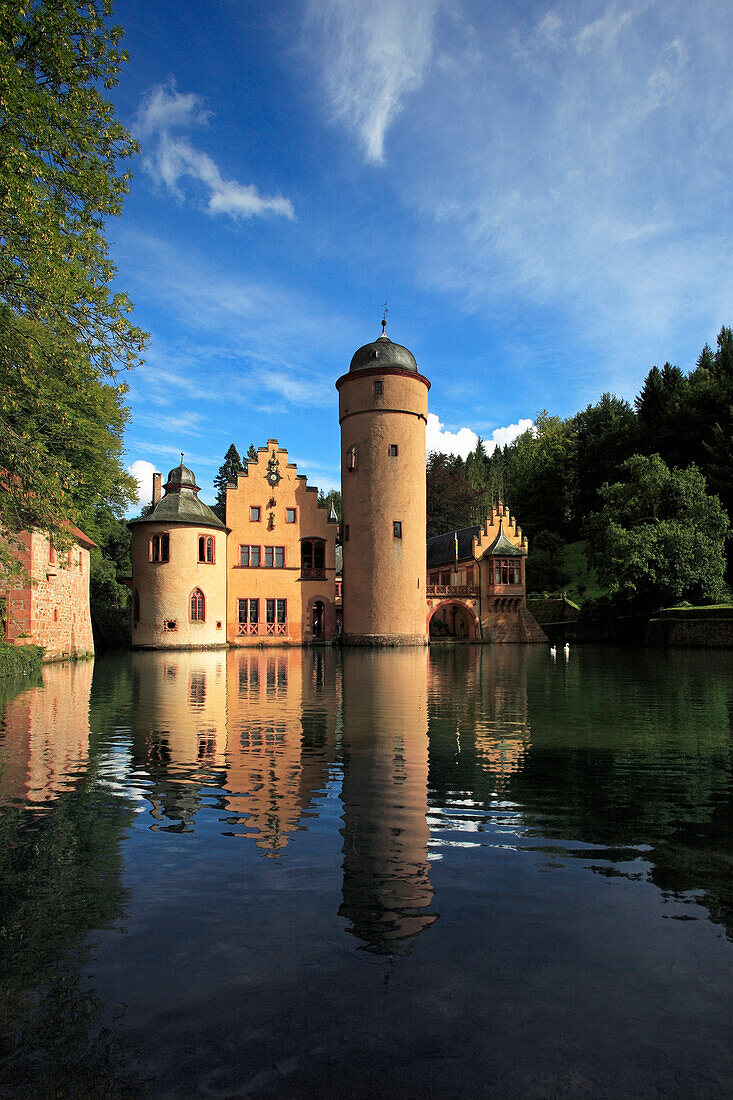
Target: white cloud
372 54
171 157
143 472
464 440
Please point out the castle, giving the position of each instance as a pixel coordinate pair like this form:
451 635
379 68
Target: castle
271 571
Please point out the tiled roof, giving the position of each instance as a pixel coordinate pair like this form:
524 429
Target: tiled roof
442 548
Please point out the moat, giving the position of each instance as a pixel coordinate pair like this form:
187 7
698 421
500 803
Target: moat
455 872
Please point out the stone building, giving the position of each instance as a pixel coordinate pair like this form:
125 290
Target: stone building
476 585
51 608
383 408
179 569
281 585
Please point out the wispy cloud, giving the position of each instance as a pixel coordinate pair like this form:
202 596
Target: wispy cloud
581 173
162 119
371 55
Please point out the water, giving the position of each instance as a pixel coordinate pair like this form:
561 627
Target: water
474 872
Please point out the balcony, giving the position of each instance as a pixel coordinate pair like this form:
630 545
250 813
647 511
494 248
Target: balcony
443 591
262 629
312 573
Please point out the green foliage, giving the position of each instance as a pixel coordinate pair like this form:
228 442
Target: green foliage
546 565
540 476
19 660
450 498
333 496
63 334
605 435
659 536
228 471
252 453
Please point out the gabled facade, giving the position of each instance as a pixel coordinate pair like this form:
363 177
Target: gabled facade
51 609
476 584
281 579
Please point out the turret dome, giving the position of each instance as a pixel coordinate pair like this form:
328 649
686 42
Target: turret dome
180 477
383 353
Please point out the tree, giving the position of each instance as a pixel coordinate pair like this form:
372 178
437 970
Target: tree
332 497
659 536
228 471
540 475
546 564
64 336
606 434
252 453
450 499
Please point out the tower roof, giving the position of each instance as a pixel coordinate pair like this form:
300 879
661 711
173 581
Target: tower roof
180 502
383 353
501 546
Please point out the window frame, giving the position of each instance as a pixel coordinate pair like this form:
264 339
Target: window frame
396 528
255 518
159 548
197 611
206 550
291 512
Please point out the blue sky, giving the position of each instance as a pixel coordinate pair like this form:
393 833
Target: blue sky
540 192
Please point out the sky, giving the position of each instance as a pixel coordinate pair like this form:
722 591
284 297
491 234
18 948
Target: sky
540 192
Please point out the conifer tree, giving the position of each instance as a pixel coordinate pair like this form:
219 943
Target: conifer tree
230 467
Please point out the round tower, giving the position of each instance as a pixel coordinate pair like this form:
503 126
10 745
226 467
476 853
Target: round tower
179 569
383 408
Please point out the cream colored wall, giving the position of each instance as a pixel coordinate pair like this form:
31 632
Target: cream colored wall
384 577
165 587
262 583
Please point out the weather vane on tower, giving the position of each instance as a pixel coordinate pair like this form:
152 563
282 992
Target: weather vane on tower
384 318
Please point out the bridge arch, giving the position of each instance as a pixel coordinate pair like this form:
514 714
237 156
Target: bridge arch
458 617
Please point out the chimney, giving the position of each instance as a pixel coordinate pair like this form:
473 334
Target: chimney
157 481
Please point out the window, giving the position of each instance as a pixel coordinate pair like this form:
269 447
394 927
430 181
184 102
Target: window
507 571
244 555
291 514
206 549
51 554
198 606
281 611
136 606
269 557
393 450
255 513
254 557
170 625
159 548
242 611
469 576
351 458
397 529
254 611
378 387
445 578
313 558
279 557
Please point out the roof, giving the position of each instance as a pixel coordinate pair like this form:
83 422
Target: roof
180 503
442 548
502 547
79 535
383 353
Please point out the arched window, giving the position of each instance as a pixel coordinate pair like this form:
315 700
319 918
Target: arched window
136 606
206 549
198 606
313 558
159 548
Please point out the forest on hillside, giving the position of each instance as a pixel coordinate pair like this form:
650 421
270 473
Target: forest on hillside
648 487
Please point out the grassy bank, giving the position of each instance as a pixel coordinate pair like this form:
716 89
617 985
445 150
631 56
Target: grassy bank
19 660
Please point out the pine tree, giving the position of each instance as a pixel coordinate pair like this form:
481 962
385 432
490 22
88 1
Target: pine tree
230 467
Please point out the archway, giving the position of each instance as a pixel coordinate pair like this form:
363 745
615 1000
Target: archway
454 620
318 620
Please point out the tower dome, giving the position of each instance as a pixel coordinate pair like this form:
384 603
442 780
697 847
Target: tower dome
382 353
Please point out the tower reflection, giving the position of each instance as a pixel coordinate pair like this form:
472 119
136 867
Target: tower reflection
386 886
179 728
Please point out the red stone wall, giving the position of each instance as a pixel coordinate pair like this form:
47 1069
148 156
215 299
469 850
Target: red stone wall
53 610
